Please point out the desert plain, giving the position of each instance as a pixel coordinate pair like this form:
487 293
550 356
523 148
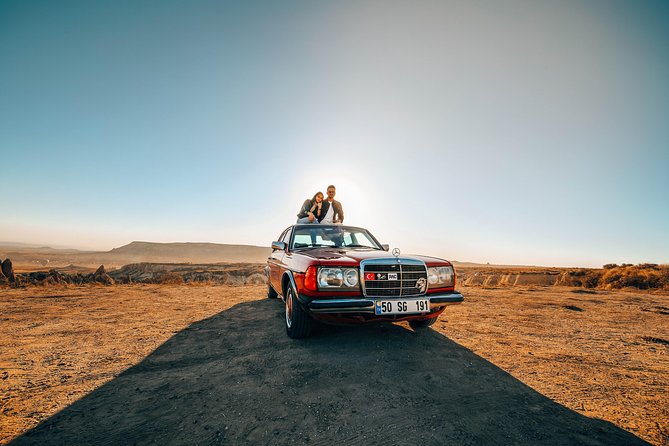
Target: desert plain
211 364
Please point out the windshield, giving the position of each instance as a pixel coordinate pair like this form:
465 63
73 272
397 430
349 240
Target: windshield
316 236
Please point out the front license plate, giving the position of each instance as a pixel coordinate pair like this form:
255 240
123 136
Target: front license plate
407 306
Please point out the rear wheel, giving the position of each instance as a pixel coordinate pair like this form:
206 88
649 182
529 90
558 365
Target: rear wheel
422 323
298 321
271 294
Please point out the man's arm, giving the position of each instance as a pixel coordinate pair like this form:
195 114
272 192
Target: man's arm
340 212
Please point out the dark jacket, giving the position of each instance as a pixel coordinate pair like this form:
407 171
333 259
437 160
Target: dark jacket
306 207
338 216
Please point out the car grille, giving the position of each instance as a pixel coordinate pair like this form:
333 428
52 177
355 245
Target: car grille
408 272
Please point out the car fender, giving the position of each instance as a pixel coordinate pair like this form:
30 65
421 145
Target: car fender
291 282
288 275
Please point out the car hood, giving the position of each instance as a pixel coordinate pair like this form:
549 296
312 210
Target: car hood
345 256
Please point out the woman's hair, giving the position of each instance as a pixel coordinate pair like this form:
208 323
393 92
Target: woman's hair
313 200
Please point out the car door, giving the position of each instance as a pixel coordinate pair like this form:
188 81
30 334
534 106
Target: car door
276 261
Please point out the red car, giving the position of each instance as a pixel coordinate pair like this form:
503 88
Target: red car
336 273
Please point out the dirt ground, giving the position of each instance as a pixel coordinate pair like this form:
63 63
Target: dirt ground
187 364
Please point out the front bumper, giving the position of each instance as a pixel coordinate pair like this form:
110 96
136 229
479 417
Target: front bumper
366 304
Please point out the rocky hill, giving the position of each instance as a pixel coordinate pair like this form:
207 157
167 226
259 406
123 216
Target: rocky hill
158 273
175 273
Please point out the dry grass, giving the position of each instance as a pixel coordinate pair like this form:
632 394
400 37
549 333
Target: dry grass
62 342
603 354
611 277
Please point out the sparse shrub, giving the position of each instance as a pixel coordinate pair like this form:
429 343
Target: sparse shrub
256 279
610 266
170 278
612 277
654 281
591 281
635 280
663 276
643 276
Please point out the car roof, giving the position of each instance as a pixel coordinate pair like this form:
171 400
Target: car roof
314 226
311 225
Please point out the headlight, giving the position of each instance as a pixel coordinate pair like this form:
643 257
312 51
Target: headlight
330 277
440 276
338 278
351 277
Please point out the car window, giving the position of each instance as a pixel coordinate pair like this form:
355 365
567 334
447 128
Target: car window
361 239
280 238
335 236
286 236
303 240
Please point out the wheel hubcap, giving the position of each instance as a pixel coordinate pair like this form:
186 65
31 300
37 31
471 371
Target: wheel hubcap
289 308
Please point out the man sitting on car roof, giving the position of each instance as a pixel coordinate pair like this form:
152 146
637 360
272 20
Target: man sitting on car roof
332 208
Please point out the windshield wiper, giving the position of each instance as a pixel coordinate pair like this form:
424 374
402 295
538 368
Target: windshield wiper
317 245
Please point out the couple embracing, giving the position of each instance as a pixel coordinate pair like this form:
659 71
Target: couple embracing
318 210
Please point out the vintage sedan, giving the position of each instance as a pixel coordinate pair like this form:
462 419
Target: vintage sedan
342 274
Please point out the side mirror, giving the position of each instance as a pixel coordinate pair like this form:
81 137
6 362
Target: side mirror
385 246
281 246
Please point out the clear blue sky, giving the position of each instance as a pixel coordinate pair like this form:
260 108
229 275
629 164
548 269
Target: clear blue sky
523 132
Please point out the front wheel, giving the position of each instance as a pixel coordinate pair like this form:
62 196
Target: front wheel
422 323
298 321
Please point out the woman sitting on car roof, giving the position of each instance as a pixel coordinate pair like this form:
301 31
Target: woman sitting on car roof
311 210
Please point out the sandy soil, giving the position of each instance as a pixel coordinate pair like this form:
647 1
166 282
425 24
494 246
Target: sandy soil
152 364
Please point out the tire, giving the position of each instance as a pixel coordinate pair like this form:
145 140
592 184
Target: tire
298 321
271 294
422 323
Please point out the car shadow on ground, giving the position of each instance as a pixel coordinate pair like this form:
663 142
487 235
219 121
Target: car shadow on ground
236 378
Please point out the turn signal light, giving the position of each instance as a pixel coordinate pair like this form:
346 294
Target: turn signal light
310 279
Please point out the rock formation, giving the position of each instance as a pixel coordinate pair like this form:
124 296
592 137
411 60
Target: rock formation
229 274
7 270
3 279
101 276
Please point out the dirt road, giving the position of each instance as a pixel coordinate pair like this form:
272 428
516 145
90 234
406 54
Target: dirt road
212 365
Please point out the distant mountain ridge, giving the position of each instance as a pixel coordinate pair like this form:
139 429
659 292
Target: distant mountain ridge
160 246
197 252
135 252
